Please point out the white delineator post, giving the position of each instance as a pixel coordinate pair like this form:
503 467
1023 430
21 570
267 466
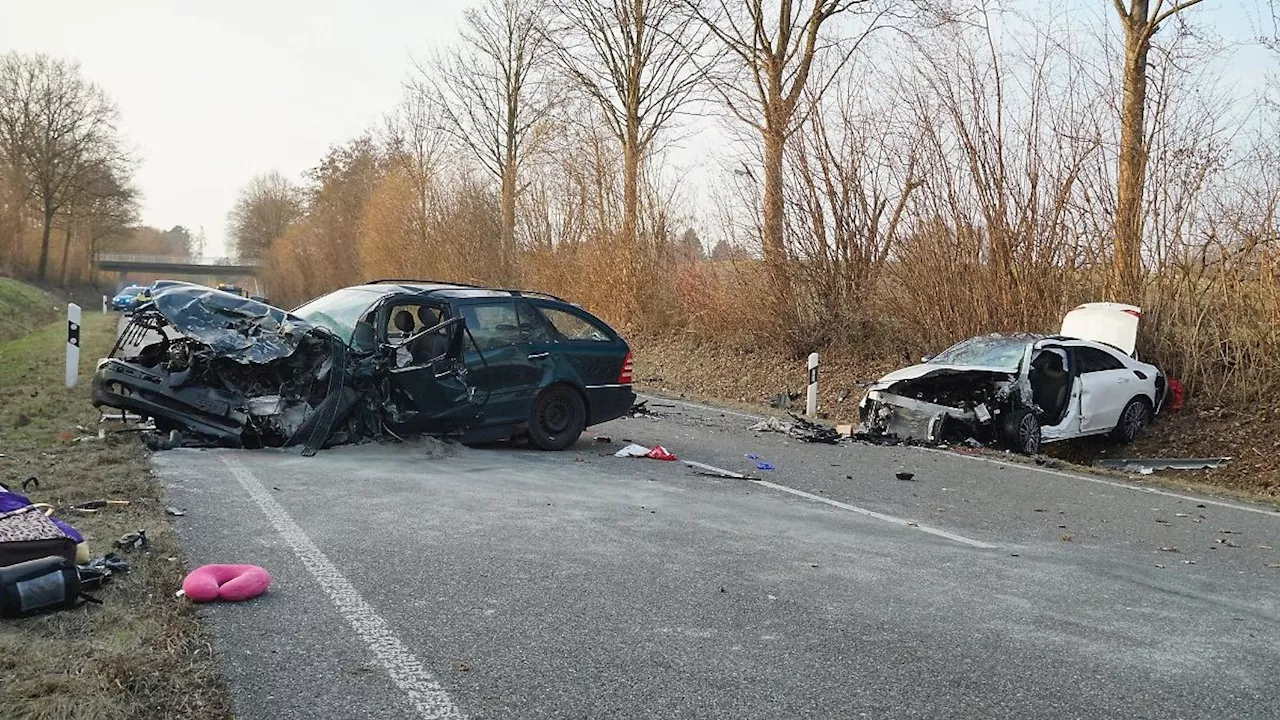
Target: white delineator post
811 403
73 344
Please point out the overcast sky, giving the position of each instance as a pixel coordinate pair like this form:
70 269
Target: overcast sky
211 93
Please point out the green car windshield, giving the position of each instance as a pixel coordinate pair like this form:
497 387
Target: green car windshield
339 311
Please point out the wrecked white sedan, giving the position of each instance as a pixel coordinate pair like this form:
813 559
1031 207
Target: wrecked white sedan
1024 390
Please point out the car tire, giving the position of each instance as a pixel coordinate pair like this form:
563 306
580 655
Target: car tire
1020 431
1133 420
559 416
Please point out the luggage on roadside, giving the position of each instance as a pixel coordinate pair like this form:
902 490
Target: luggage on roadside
28 533
40 585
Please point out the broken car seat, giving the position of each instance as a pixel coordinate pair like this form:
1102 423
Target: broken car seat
1050 384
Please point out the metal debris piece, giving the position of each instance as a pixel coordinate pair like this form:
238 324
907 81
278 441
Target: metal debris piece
1146 466
800 429
134 541
176 512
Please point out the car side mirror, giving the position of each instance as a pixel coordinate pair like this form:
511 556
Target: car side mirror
926 358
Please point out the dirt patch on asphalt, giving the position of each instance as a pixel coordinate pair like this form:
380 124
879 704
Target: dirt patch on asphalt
143 653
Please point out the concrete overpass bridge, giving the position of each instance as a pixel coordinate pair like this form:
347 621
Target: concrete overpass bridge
175 267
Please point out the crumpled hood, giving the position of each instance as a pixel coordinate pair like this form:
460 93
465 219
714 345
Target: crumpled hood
916 372
237 328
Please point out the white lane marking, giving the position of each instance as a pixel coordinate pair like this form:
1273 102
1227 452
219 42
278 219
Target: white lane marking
406 671
698 406
718 471
852 508
1110 483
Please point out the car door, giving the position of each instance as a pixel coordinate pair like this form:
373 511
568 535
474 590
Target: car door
594 353
505 373
1106 385
426 391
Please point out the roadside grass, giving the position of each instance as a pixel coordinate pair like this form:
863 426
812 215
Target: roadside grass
24 308
748 379
143 653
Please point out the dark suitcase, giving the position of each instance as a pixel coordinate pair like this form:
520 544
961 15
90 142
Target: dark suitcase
36 586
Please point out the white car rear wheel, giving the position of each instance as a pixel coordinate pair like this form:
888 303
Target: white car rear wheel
1133 420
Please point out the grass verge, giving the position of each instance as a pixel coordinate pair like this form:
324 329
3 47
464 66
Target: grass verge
24 308
143 654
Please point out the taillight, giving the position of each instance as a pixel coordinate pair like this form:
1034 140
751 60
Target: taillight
628 368
1135 313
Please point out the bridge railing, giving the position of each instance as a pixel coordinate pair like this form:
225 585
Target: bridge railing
171 260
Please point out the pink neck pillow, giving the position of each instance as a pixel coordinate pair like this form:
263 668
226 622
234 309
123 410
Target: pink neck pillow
231 583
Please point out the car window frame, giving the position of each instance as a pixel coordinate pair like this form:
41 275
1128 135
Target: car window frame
461 309
376 301
611 335
1086 367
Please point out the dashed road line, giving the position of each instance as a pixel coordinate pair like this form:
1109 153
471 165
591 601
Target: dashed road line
851 508
425 693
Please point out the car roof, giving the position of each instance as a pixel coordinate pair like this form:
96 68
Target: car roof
452 290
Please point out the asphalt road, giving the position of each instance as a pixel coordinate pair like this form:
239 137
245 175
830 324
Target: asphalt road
426 581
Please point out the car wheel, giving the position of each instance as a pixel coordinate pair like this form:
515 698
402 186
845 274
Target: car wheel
1021 432
558 419
1133 419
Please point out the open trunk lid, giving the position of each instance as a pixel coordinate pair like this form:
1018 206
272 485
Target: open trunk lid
1115 324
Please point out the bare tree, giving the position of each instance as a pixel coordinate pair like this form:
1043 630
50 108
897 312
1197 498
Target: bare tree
265 209
1140 19
493 94
773 46
105 204
57 128
635 59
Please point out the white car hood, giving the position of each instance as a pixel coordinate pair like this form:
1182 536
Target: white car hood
1114 324
925 369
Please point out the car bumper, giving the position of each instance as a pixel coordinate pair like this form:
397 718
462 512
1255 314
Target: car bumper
889 414
149 393
609 402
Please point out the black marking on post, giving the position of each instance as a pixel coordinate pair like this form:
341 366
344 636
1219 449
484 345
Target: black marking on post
813 375
73 333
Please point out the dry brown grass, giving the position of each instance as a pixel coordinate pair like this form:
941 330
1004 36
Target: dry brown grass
143 653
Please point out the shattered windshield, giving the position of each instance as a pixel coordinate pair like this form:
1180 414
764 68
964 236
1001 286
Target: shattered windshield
991 351
339 311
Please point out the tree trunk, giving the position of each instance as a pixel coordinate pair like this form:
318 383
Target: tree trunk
630 255
1132 170
507 251
44 243
773 230
631 187
66 252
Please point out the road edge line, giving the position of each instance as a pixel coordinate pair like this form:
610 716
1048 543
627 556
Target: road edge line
426 695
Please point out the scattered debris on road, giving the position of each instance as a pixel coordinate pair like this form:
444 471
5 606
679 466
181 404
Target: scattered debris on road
800 429
661 453
632 450
176 512
905 475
